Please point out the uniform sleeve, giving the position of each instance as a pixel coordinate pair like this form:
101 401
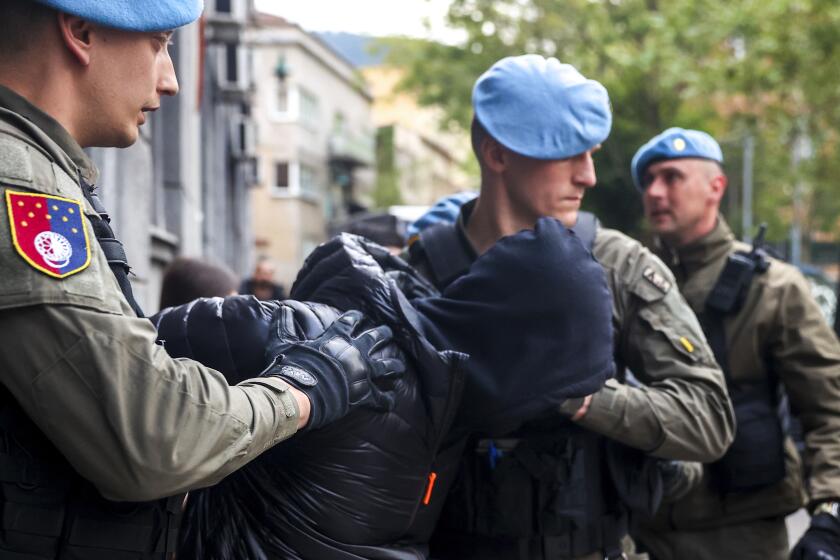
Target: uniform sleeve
680 409
135 422
805 354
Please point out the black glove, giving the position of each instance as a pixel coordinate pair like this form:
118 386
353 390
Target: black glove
821 541
336 370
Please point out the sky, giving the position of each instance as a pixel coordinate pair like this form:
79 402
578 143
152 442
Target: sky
368 17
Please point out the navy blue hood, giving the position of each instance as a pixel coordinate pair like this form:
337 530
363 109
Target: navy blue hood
533 313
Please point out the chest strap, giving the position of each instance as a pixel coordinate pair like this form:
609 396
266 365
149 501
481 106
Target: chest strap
445 252
111 246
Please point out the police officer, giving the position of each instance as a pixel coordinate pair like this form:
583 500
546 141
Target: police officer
537 123
86 394
770 338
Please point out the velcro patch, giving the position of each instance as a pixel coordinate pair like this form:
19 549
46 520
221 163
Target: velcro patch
654 277
299 375
49 233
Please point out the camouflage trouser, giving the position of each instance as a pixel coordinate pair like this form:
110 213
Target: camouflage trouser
764 539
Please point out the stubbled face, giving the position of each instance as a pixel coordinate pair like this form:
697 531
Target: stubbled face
555 188
128 74
679 197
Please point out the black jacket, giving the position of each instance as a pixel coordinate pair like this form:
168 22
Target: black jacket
356 489
347 491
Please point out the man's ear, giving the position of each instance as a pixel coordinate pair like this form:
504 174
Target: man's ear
77 36
718 185
493 155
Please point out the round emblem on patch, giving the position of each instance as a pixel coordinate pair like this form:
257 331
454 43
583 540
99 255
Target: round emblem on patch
299 375
679 144
54 248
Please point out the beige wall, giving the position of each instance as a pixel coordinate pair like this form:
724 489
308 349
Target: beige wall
289 224
429 160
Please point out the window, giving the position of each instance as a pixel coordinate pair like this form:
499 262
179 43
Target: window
232 63
295 179
242 137
281 175
309 110
223 6
308 180
232 66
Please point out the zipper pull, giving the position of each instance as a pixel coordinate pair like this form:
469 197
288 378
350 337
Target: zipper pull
429 486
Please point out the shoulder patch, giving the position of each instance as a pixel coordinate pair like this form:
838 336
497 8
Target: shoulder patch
655 278
48 232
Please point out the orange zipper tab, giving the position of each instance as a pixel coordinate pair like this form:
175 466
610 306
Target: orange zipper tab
428 497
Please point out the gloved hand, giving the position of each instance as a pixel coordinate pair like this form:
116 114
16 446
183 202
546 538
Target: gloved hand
336 370
821 541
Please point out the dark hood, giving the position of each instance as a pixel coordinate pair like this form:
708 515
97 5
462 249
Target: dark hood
533 313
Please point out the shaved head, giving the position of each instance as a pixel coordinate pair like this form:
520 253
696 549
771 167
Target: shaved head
710 169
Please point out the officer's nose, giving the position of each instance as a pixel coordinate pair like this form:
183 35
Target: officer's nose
167 80
584 170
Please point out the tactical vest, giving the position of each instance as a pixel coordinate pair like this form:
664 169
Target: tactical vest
48 510
545 492
756 457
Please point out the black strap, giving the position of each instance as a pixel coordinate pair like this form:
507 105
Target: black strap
726 298
713 328
111 246
445 252
586 227
114 252
174 508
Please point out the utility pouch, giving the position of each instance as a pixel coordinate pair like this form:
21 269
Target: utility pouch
756 457
519 488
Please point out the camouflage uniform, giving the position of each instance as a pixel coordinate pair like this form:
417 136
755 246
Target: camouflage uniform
779 331
87 371
681 410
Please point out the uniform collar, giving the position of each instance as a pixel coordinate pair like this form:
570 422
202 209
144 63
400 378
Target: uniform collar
699 253
52 129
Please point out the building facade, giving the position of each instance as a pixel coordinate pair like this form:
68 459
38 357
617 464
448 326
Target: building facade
315 141
425 163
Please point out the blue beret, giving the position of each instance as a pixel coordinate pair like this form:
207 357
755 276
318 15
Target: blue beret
132 15
444 210
674 143
540 108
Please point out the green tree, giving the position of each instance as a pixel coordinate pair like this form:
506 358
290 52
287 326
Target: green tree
758 67
387 190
